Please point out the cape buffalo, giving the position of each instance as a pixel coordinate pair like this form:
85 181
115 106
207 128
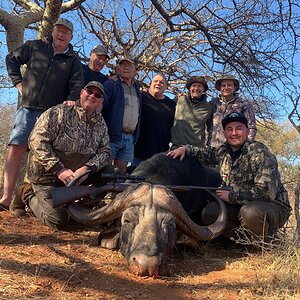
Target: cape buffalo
162 169
150 214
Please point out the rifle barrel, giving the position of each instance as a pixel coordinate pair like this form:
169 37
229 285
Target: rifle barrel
184 188
117 177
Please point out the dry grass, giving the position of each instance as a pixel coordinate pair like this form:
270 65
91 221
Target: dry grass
278 267
38 263
278 272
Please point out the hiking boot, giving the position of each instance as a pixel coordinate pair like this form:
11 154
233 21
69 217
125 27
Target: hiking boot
3 207
17 205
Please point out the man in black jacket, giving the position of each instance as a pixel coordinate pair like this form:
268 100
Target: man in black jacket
98 59
53 75
156 122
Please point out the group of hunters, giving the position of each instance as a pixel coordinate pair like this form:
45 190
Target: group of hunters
75 120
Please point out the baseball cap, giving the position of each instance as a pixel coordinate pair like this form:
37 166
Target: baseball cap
101 50
64 22
126 58
234 117
95 84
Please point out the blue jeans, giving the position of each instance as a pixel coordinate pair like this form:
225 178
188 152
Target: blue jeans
24 123
124 149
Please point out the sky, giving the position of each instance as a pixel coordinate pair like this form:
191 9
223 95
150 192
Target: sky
9 95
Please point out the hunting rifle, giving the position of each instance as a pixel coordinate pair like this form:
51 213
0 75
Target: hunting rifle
67 195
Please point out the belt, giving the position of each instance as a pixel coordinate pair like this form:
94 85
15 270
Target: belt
127 131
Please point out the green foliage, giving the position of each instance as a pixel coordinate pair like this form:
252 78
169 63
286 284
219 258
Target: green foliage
284 141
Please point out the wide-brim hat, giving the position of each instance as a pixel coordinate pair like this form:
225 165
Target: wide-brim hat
95 84
64 22
197 79
234 117
101 50
227 77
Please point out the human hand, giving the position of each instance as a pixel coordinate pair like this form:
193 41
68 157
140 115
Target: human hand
69 103
80 171
177 152
223 195
19 87
65 175
45 40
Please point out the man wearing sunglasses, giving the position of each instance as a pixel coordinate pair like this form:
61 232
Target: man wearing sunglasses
66 142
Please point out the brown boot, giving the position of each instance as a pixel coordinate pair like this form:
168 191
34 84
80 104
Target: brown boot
17 205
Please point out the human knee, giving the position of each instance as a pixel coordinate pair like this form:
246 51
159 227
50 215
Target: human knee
54 218
56 221
254 219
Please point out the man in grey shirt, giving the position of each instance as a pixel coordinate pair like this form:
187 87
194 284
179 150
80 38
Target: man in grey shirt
121 111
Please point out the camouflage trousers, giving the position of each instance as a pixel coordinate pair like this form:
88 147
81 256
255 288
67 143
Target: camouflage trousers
41 206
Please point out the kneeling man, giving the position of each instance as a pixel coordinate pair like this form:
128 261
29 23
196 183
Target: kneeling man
66 142
257 200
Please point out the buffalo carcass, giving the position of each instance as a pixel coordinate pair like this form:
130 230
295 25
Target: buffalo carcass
149 216
162 169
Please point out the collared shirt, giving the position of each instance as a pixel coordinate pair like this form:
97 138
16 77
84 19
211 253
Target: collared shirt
131 110
55 52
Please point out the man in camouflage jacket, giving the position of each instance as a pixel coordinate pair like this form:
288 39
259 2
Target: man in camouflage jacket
257 199
227 102
66 142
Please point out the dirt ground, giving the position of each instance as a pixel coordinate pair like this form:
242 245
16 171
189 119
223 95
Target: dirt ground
37 262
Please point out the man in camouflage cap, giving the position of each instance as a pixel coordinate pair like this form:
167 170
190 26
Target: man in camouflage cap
257 200
229 101
66 142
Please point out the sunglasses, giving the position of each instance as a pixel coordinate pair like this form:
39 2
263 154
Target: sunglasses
91 92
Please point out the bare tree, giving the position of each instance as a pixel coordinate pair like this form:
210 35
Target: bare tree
21 14
255 40
294 118
294 115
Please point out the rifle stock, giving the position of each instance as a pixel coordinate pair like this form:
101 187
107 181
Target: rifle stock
69 194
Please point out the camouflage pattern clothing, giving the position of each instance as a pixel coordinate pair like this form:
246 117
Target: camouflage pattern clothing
252 172
64 138
221 109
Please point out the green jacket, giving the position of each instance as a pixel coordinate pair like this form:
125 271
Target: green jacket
192 122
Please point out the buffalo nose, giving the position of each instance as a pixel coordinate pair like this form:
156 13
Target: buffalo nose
144 265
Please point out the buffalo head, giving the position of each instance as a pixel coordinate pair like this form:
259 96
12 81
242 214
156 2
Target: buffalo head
149 215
